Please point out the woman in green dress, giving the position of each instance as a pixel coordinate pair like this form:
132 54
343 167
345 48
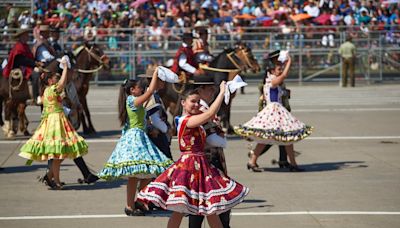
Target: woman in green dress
55 138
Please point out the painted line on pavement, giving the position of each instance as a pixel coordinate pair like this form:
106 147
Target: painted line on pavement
175 139
234 214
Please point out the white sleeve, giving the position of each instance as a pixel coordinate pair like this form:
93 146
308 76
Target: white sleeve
215 140
45 54
184 65
158 123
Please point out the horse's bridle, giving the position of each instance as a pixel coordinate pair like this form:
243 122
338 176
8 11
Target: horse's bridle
97 58
235 63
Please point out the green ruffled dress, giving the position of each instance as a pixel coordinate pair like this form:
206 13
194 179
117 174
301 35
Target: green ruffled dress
55 138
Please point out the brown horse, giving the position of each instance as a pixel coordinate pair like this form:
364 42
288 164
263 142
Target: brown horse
89 59
225 66
14 92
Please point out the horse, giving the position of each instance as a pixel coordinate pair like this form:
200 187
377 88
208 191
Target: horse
14 92
89 59
224 66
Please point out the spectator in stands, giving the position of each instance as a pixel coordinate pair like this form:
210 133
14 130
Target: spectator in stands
75 32
11 13
364 18
155 35
312 9
25 20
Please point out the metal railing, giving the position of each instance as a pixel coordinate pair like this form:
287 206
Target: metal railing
314 52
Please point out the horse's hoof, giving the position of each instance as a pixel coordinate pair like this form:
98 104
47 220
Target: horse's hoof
26 133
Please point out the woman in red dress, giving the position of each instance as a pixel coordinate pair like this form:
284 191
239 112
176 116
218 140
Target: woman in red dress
192 185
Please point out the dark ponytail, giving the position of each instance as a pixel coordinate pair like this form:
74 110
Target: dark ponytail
44 81
269 66
124 91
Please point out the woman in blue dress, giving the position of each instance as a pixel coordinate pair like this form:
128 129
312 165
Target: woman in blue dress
134 156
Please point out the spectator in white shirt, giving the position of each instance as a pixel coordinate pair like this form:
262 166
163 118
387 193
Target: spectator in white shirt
311 9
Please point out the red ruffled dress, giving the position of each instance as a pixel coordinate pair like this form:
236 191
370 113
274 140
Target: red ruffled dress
191 185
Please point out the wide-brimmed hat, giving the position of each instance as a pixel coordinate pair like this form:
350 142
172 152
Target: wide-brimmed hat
20 32
204 79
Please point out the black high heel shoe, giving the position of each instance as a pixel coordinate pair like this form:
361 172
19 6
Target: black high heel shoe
254 168
45 179
141 207
133 212
284 164
91 179
293 168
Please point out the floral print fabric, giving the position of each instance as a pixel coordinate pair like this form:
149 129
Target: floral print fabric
192 185
55 138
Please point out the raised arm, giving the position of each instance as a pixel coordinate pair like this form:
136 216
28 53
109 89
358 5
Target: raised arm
153 84
280 78
202 118
63 79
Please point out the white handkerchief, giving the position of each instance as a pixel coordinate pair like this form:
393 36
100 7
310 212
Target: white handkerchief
66 59
167 75
283 56
232 86
67 110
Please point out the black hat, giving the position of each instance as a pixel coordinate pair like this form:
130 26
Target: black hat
187 35
271 59
204 79
274 55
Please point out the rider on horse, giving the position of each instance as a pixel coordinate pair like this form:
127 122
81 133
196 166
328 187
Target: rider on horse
21 56
201 47
43 52
20 65
184 60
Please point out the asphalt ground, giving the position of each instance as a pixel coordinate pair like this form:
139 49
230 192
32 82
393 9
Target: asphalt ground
352 163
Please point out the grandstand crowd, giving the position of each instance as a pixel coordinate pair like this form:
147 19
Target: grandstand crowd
87 19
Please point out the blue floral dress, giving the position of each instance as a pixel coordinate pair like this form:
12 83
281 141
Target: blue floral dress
135 155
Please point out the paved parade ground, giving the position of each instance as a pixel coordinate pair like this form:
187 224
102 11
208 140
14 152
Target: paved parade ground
352 163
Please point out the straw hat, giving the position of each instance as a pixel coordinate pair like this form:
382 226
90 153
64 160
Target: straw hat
20 32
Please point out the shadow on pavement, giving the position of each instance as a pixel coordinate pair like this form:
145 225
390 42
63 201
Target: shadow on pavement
326 166
102 134
95 186
252 203
27 168
158 213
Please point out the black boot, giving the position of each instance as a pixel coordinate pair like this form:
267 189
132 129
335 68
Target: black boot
283 162
91 179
